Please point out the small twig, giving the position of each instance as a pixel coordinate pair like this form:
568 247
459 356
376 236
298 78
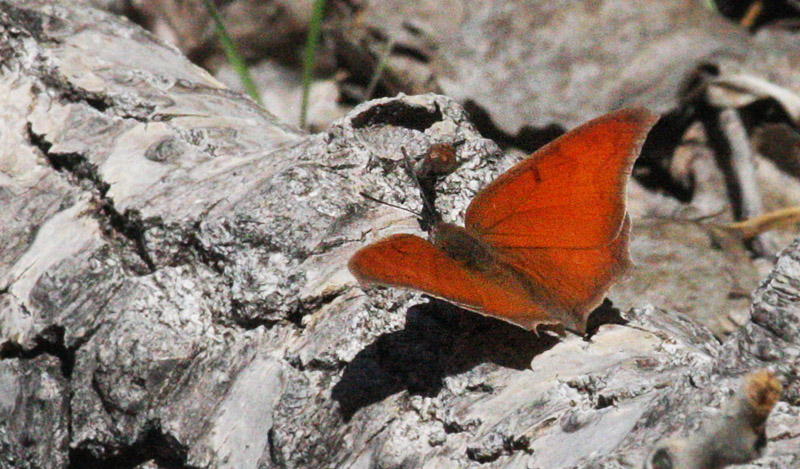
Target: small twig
382 60
744 171
735 436
752 227
741 158
729 135
751 15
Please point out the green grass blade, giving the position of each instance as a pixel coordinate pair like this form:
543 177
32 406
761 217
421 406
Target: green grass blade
234 57
310 56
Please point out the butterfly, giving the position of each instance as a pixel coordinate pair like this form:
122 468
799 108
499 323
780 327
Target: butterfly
541 244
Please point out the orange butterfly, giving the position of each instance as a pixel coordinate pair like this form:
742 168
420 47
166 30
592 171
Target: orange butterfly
542 244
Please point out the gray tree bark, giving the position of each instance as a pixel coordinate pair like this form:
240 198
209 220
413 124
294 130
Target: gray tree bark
174 292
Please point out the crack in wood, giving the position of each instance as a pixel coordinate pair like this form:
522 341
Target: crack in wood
129 224
49 342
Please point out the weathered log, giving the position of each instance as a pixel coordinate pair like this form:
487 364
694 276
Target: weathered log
173 288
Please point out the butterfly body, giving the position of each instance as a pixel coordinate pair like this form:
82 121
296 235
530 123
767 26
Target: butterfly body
463 247
541 244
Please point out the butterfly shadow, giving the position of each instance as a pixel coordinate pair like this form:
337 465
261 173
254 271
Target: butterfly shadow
439 340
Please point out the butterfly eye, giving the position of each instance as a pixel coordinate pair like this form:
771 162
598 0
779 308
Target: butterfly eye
439 160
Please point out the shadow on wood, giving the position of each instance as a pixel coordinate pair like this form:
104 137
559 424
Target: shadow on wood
441 340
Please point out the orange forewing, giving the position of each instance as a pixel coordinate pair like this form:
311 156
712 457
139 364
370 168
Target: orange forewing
550 235
570 193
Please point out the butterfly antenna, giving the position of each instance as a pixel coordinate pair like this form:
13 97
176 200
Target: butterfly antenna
379 201
428 209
